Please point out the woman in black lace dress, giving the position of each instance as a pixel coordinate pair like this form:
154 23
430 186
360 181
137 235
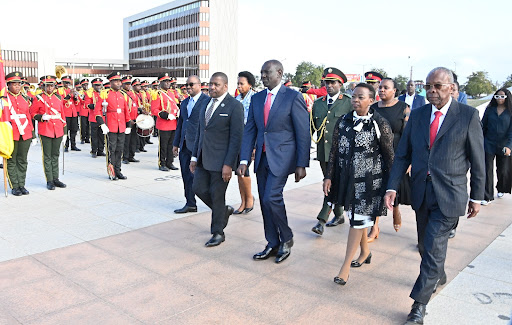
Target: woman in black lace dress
360 159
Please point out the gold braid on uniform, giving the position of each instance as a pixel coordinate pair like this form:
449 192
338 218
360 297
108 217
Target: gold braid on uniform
313 129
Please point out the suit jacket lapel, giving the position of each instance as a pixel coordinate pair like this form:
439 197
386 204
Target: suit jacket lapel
275 105
449 120
425 124
218 109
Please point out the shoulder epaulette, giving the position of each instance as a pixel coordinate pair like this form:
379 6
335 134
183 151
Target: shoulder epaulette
58 96
104 93
347 95
90 92
155 94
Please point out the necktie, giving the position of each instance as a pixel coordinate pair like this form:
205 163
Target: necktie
190 105
209 111
329 104
266 108
433 127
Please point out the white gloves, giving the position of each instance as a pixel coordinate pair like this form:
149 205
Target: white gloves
128 131
171 117
104 128
46 117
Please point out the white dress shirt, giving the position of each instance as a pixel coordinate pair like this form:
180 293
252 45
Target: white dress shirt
333 98
409 99
443 110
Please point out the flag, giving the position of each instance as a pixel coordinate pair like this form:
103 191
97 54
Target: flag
3 85
6 140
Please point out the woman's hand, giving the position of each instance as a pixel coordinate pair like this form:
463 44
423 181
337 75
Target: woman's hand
327 186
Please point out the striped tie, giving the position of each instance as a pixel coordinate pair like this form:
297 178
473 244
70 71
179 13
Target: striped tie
209 112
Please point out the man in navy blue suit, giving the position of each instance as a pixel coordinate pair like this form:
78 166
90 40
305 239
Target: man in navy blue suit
411 98
278 127
186 132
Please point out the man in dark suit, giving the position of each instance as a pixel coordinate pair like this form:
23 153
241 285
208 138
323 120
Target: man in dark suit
185 138
278 124
218 140
441 142
411 98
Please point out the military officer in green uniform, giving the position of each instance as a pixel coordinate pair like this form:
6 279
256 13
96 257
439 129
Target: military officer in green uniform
324 115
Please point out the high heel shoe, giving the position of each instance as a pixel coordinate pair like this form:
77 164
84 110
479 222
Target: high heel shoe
340 281
368 260
247 210
371 239
238 211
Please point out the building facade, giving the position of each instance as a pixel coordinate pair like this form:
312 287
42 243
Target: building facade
184 37
26 62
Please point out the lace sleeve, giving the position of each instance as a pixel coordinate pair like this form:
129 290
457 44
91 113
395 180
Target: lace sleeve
334 150
386 142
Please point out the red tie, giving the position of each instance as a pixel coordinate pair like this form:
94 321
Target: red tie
266 111
433 127
266 108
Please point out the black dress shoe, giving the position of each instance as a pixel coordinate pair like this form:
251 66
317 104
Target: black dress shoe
417 313
284 251
16 192
238 211
229 211
101 153
82 142
266 253
148 141
93 154
24 191
87 141
163 168
318 228
133 160
58 183
143 150
340 281
172 167
247 210
121 176
186 209
66 149
215 240
50 185
125 161
452 233
137 150
368 260
337 220
440 282
75 149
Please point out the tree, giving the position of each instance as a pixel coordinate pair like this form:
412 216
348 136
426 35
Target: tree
259 84
478 84
287 76
508 83
381 71
401 82
308 71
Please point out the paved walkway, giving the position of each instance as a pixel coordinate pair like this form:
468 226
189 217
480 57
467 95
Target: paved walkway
102 252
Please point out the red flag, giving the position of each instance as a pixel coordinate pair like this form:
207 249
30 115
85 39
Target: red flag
3 85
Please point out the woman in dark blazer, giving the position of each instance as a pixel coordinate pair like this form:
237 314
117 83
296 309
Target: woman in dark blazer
497 127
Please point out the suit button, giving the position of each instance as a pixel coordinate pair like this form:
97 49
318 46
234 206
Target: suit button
325 141
326 131
329 112
327 121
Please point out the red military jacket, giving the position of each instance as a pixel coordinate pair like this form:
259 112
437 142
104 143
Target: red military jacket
83 110
70 106
18 114
164 101
91 97
133 102
117 110
51 105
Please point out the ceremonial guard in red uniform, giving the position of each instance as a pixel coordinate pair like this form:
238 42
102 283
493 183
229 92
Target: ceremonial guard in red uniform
163 106
92 96
116 121
18 114
48 111
205 88
84 113
70 101
130 140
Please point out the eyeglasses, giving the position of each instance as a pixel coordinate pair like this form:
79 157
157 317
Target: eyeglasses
436 86
500 96
191 84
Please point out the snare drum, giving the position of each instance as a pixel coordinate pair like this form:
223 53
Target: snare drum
145 125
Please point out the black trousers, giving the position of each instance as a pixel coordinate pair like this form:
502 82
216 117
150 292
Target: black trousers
187 176
84 128
211 189
165 140
115 145
130 145
97 138
142 142
433 230
503 173
72 124
270 190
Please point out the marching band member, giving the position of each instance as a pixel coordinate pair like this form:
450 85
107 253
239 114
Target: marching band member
144 108
92 96
116 121
48 110
70 102
18 115
163 106
84 113
130 140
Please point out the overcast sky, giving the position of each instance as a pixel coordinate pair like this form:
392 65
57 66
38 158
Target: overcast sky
350 35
